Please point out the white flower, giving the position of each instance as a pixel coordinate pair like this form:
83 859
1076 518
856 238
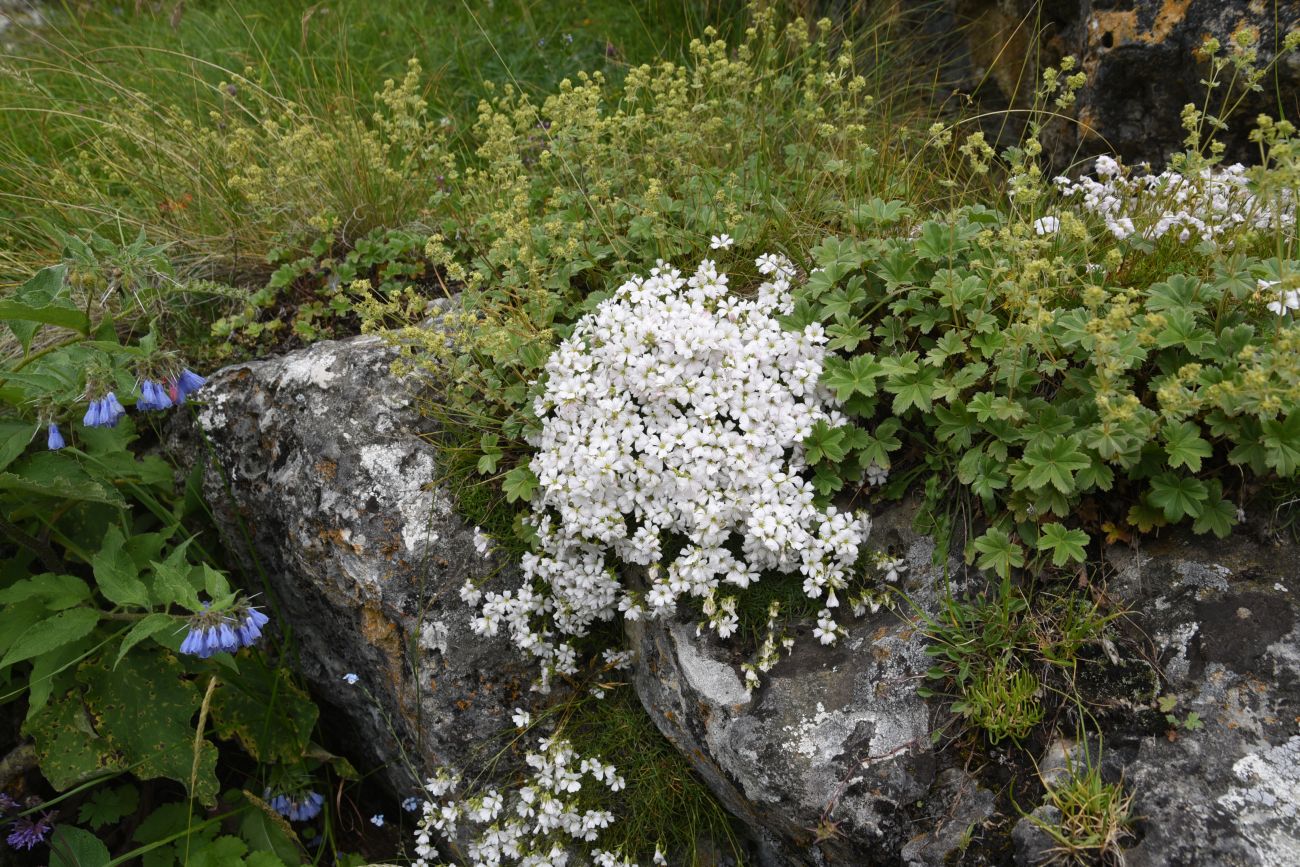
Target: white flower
521 718
674 410
1046 225
350 679
482 542
721 242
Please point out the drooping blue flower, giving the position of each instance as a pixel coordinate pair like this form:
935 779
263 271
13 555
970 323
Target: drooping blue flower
55 439
104 412
300 808
153 397
28 831
188 383
193 643
250 629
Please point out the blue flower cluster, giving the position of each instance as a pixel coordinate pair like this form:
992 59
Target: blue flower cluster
155 395
211 633
105 412
300 808
25 832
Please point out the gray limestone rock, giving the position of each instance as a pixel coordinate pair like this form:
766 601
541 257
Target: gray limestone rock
830 760
321 478
1223 617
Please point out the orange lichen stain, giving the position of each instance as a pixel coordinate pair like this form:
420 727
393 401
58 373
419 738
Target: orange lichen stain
1171 14
1112 28
328 469
380 632
335 535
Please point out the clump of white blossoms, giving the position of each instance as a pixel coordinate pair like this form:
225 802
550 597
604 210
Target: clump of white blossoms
1204 205
537 824
672 426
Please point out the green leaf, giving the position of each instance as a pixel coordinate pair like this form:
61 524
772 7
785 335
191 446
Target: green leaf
998 552
50 633
53 474
824 443
519 484
75 847
38 293
1178 496
1218 515
138 715
913 389
145 628
270 717
116 573
106 806
57 591
1184 445
1281 442
1065 545
50 314
14 437
1052 460
854 376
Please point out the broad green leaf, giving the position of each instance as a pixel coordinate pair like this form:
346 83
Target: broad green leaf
1184 445
172 584
14 437
270 717
998 552
1281 442
116 574
1178 496
145 628
56 591
39 292
1065 544
1053 461
50 314
142 713
519 484
50 633
75 847
53 474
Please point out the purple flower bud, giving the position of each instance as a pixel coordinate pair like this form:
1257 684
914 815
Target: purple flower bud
55 440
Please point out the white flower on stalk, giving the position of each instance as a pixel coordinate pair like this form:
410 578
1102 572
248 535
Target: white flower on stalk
1046 225
721 242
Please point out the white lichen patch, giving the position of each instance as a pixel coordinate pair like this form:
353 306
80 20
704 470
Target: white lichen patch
433 636
310 368
1204 576
1264 801
401 477
711 678
1178 640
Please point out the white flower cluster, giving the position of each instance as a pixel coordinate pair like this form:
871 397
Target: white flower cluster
541 824
676 411
1203 206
